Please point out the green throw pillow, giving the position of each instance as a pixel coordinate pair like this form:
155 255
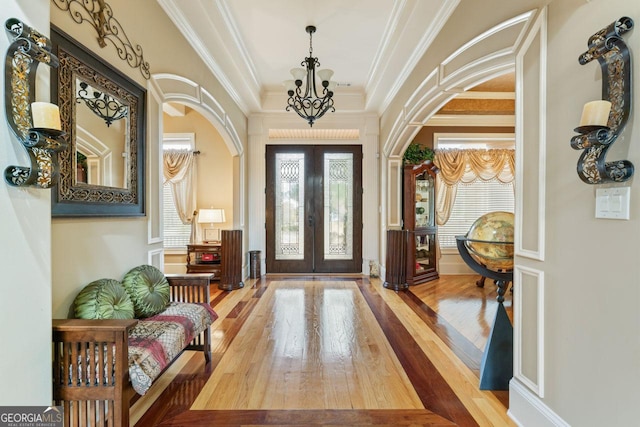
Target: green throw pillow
148 289
103 299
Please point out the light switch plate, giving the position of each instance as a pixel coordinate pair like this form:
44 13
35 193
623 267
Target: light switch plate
613 203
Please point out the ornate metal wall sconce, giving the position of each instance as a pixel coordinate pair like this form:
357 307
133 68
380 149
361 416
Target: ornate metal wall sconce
28 49
595 139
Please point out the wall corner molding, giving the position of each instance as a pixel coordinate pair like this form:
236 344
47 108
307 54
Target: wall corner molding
526 409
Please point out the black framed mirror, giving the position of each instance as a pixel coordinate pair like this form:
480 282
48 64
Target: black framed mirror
103 113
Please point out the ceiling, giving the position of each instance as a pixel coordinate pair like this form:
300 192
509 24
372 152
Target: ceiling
250 45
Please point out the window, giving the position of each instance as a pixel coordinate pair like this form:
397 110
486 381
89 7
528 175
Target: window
176 234
479 197
472 201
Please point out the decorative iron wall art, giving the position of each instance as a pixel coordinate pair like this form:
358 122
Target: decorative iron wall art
608 47
28 49
100 16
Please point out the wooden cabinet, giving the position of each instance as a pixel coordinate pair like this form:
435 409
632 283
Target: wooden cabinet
205 258
223 259
231 260
420 221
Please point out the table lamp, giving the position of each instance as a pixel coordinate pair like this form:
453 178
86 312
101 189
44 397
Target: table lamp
211 216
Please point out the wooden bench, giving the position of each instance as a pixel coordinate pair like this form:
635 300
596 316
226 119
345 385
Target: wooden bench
90 360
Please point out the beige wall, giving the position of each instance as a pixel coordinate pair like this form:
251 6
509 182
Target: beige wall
89 249
592 298
25 256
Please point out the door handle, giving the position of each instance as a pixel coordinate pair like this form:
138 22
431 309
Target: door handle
310 220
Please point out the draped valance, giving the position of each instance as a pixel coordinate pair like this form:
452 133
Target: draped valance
464 166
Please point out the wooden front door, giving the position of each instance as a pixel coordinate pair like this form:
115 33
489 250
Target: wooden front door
314 208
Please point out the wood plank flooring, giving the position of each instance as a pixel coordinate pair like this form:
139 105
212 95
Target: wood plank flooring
329 351
304 336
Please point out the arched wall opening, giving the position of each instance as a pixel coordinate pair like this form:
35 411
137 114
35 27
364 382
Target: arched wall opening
181 92
485 57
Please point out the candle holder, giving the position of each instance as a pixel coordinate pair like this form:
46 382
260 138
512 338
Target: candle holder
594 139
28 49
591 136
587 129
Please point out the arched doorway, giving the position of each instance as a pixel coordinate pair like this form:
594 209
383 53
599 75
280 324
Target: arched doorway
176 92
523 41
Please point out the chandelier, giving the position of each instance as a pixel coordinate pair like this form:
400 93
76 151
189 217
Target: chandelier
306 102
102 104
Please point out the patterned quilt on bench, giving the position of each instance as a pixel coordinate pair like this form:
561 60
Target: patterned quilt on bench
155 341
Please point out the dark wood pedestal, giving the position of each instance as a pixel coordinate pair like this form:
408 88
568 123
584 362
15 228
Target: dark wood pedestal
396 268
231 260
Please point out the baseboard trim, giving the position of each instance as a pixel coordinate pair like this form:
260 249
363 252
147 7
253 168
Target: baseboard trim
528 410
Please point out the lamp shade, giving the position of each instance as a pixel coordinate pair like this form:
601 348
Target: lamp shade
298 73
325 74
211 216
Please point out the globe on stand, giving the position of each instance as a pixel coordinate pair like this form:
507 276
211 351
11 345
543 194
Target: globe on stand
488 250
490 240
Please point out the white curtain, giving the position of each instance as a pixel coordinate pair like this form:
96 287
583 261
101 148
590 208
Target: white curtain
179 170
459 166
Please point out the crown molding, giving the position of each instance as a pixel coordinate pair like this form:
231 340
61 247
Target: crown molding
223 7
176 15
399 20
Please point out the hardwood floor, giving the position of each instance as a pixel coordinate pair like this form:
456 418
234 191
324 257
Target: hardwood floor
334 351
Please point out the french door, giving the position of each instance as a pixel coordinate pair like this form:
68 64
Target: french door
314 208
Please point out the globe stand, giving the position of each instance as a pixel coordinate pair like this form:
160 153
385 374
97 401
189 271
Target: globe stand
496 368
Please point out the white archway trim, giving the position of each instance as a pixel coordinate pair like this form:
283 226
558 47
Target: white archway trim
89 143
466 67
175 88
99 156
165 88
503 39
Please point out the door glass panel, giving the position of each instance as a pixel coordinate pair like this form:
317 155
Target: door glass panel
338 205
289 212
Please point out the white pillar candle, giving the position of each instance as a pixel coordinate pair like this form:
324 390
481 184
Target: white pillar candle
595 113
45 115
